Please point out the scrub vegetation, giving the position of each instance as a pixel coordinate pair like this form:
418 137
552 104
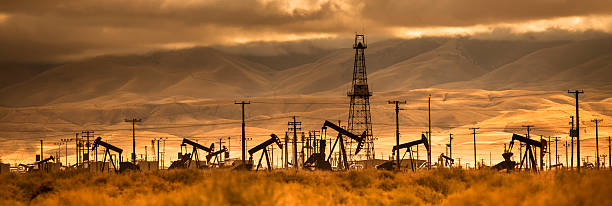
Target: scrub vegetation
223 187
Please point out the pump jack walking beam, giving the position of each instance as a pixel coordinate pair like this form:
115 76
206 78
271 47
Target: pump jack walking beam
530 143
99 142
341 131
194 153
216 155
408 145
273 139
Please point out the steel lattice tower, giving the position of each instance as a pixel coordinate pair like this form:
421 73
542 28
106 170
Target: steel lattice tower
359 118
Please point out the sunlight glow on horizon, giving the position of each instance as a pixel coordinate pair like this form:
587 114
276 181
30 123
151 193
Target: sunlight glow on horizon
573 24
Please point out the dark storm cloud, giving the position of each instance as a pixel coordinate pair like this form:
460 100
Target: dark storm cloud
48 30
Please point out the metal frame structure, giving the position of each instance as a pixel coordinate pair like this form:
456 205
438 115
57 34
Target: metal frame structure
194 152
530 150
408 145
359 139
360 118
107 146
263 146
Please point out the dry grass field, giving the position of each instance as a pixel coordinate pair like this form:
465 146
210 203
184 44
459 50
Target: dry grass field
192 187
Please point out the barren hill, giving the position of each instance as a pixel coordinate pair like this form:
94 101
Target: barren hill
395 64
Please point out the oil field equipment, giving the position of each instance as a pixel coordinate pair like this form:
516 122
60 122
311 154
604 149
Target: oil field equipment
530 149
317 160
445 161
185 160
507 164
217 155
406 146
263 146
123 166
43 166
359 139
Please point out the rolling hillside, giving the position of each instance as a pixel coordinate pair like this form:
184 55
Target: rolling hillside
395 64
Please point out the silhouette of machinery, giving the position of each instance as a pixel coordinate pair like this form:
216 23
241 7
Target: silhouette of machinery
359 139
43 166
530 149
123 166
317 161
263 146
217 156
389 164
445 160
186 159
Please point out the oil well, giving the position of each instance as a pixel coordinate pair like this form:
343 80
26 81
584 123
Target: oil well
332 148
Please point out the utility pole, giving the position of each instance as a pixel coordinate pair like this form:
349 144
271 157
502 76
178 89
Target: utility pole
242 103
474 133
65 141
286 159
397 133
450 146
609 152
88 134
566 160
576 92
429 138
597 139
229 146
77 142
549 161
294 123
528 137
133 121
572 135
41 150
556 150
163 152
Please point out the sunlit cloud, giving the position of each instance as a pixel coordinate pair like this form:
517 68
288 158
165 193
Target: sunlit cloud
572 24
3 18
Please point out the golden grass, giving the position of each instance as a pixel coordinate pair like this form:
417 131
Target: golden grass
193 187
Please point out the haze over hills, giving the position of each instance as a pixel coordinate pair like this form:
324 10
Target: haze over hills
396 64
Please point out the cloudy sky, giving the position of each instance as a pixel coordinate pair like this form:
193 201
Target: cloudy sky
51 30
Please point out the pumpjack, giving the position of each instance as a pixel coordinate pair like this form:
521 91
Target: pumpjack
186 159
216 155
263 146
530 149
445 160
407 146
341 131
317 160
123 166
42 165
